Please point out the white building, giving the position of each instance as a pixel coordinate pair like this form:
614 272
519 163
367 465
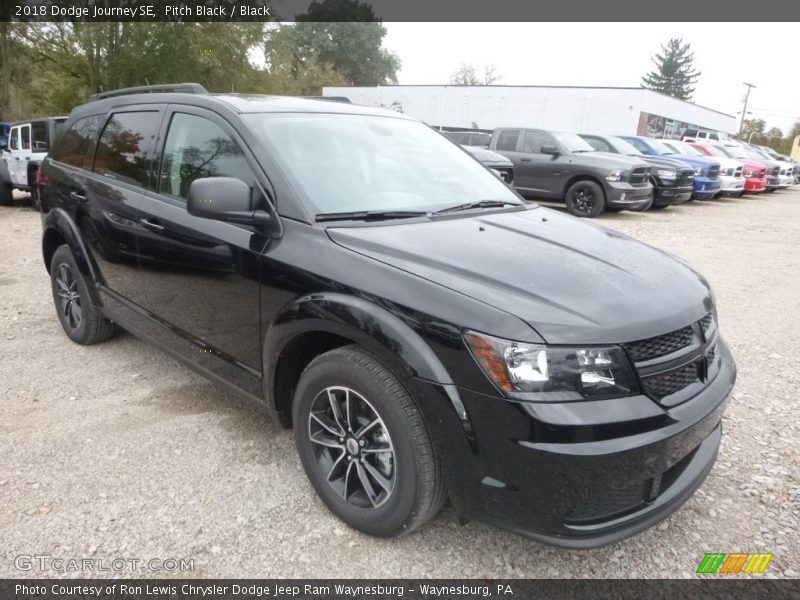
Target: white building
602 110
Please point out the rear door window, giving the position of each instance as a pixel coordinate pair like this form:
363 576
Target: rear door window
13 140
507 140
125 149
76 146
41 136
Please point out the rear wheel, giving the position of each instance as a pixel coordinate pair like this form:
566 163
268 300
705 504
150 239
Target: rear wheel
81 320
585 199
364 445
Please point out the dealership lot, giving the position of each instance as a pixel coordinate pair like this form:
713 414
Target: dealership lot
116 451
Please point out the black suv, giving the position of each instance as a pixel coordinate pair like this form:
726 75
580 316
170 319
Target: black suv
425 332
562 166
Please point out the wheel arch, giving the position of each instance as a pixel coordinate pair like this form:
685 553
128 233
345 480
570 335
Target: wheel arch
583 177
59 228
316 323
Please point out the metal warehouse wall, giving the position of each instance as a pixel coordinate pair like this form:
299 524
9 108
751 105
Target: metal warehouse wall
596 110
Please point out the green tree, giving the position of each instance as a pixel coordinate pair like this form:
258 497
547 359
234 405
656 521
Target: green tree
674 74
351 47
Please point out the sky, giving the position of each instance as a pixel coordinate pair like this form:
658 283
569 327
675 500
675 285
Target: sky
614 54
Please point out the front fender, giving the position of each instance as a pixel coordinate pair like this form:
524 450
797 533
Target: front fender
5 176
384 330
59 226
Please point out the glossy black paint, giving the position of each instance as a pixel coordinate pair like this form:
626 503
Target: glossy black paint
250 306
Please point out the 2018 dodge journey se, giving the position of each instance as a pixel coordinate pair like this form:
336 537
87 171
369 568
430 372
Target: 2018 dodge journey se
425 332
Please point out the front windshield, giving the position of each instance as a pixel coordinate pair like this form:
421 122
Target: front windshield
624 147
662 148
345 163
573 142
687 149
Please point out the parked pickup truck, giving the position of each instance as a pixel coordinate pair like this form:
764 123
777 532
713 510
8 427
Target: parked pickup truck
706 170
562 166
671 178
28 144
498 163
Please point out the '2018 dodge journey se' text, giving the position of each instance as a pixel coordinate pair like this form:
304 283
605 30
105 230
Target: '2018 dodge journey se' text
425 332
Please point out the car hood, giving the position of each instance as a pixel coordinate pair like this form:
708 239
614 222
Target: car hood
572 281
605 160
729 163
695 161
664 162
487 156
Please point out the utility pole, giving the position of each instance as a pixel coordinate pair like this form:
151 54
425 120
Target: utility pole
744 110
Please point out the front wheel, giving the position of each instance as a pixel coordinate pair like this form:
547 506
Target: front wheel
364 445
585 199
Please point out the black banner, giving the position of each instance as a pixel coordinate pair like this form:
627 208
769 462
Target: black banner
390 589
399 10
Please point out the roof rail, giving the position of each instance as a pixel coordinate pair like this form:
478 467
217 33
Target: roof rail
182 88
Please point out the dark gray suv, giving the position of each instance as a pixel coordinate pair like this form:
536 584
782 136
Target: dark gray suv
563 166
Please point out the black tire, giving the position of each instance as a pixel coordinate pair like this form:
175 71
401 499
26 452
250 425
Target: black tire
659 206
585 198
36 203
6 195
404 485
82 321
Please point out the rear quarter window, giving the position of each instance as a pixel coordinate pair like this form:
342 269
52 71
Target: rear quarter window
76 146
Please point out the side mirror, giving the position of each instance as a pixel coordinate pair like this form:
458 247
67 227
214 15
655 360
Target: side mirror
552 150
224 199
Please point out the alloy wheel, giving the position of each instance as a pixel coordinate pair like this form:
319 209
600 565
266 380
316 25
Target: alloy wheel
584 200
69 299
352 445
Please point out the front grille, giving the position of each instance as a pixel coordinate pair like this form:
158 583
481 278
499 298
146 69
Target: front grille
775 171
665 384
713 172
660 345
686 177
706 322
639 176
738 171
613 503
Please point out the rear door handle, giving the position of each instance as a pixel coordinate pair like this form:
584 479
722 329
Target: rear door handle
77 197
152 225
525 159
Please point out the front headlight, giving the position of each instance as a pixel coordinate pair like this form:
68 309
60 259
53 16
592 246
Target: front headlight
615 176
541 373
666 174
699 172
727 172
750 174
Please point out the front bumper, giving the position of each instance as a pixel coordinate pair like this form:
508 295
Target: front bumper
773 182
731 185
705 187
786 181
579 474
755 184
624 195
666 195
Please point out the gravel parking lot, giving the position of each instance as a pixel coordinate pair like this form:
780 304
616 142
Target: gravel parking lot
116 451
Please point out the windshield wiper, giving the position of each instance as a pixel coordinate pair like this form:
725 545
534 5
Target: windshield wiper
369 215
479 204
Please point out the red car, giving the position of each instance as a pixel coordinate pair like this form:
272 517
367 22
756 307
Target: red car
755 173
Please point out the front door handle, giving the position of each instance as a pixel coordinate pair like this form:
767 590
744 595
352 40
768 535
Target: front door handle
525 159
152 225
77 197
